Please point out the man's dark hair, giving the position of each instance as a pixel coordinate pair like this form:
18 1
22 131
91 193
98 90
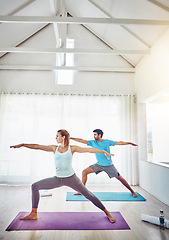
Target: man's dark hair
98 131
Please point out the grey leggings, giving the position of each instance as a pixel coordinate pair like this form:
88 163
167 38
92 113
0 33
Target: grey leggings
55 182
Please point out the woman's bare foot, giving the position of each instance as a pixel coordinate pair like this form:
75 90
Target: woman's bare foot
77 193
134 194
110 217
31 216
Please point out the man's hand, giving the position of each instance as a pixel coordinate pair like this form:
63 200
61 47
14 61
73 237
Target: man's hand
133 144
125 143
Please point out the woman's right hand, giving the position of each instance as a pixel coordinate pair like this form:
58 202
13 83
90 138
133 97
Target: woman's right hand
17 146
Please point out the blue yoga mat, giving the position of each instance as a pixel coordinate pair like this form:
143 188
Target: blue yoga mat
107 196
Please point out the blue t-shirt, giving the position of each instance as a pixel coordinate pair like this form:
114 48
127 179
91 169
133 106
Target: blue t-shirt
104 145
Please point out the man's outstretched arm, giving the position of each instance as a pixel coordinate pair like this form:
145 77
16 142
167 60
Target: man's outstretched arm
125 143
79 140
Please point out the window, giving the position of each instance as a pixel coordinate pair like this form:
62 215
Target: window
66 77
36 118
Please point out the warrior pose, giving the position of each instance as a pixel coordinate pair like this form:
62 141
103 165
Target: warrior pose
65 175
103 163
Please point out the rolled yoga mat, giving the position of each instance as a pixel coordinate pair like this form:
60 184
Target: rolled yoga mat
153 220
68 221
107 196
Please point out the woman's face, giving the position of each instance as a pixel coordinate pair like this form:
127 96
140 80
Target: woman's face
59 138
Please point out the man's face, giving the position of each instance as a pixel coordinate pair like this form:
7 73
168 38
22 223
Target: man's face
96 136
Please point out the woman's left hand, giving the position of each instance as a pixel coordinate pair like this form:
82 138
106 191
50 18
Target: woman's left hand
108 154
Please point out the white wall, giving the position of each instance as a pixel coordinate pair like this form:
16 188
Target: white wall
159 118
154 179
85 82
151 80
152 74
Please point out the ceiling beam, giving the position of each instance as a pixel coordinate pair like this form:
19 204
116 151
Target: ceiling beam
124 27
21 7
158 4
52 68
72 50
64 38
108 44
80 20
55 25
30 35
55 8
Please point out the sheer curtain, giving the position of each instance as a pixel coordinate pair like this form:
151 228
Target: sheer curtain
33 118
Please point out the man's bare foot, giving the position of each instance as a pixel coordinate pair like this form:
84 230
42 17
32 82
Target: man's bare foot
31 216
134 195
77 193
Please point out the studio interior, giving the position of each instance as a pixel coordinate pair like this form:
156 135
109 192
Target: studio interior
67 69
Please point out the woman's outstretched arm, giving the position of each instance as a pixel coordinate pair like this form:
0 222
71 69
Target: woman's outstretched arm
48 148
89 150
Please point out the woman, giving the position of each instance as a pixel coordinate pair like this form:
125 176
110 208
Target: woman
65 175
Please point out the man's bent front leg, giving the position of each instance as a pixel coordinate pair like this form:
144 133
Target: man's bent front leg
84 176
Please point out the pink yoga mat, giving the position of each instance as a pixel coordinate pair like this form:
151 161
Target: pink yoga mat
68 221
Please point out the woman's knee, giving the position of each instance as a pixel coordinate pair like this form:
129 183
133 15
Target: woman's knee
34 186
90 196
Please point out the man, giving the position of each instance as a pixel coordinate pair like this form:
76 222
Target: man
103 164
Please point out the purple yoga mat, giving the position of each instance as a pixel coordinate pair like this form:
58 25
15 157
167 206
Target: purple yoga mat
68 221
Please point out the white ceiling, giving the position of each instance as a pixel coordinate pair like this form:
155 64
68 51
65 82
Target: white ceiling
126 30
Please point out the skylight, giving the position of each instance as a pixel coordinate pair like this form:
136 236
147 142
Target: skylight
66 77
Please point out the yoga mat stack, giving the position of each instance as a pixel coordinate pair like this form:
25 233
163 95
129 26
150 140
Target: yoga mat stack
45 193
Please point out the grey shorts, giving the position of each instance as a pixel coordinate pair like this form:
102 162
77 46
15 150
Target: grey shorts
110 170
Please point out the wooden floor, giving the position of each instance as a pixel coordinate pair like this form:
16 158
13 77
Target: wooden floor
14 199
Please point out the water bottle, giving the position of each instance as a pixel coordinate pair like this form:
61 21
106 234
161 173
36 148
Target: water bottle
162 221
